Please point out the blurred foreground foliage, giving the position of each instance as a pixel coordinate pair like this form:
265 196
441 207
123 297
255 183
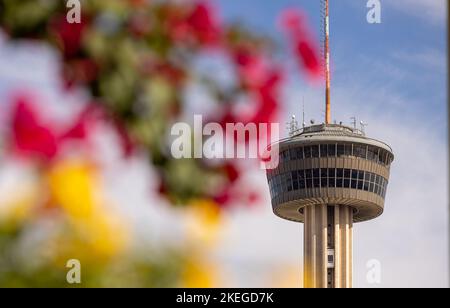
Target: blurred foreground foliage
137 60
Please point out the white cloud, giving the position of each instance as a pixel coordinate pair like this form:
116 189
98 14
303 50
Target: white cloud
432 11
430 59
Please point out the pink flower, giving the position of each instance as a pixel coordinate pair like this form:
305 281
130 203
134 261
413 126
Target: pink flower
263 80
268 98
199 25
252 68
204 24
29 136
34 139
294 23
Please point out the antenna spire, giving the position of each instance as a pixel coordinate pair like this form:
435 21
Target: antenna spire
303 121
327 64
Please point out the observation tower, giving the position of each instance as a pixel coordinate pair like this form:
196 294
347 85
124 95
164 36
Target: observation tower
330 176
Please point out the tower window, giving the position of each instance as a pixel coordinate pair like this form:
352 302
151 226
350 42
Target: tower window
346 183
308 173
360 184
347 173
316 173
331 182
302 184
366 186
323 150
307 151
300 153
331 172
361 175
315 151
316 183
293 154
331 150
348 149
301 174
324 177
360 151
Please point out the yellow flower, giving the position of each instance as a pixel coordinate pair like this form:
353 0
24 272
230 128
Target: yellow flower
74 188
199 274
204 221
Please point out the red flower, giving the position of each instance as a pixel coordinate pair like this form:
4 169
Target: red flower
268 99
235 194
294 24
309 58
204 24
232 172
263 81
252 68
69 37
200 25
29 136
223 199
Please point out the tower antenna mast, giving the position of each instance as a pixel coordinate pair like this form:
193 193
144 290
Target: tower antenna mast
303 120
327 64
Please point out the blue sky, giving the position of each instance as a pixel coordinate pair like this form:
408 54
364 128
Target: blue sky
404 54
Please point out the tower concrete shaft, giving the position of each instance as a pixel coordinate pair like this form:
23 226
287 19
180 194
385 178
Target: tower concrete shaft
328 246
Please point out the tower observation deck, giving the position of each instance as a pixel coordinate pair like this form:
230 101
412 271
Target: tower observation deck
329 177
